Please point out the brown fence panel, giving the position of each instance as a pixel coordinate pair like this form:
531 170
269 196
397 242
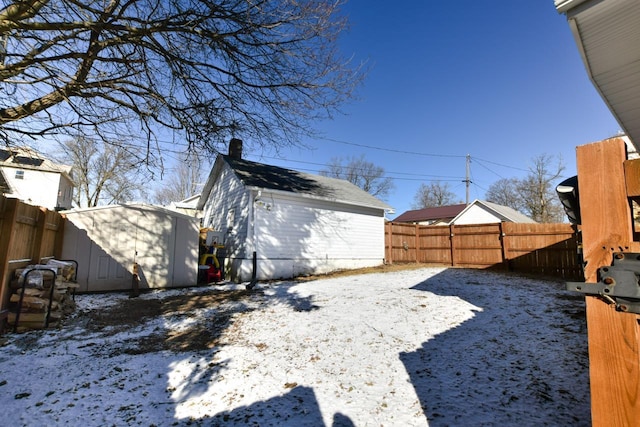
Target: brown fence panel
548 249
25 229
51 228
401 242
27 235
477 245
434 244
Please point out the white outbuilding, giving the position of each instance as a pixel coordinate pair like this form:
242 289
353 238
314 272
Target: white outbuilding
279 223
107 241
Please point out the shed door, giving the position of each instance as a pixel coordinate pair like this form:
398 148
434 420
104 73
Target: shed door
105 271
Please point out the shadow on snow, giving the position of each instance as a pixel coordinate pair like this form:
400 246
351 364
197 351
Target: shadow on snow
510 374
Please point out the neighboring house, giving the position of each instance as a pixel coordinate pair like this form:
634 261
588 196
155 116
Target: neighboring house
441 215
477 212
28 176
107 240
295 223
482 212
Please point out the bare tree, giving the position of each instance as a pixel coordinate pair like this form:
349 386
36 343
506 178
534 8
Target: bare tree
206 70
537 190
185 181
506 192
433 195
103 174
362 173
533 195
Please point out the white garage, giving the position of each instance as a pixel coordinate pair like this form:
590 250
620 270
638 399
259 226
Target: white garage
107 241
278 223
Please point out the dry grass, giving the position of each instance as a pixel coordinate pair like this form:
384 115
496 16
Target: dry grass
385 268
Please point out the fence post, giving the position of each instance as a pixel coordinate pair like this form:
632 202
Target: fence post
614 337
452 246
8 213
40 224
57 246
389 242
417 243
503 245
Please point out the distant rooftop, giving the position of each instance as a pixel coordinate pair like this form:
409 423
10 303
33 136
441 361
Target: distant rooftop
431 214
27 158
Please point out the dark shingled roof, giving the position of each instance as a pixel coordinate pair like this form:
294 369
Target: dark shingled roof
263 176
430 214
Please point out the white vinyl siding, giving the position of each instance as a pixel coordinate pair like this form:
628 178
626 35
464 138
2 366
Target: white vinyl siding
36 187
227 211
477 215
297 236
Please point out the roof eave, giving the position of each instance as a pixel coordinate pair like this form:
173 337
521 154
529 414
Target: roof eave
562 6
607 36
208 186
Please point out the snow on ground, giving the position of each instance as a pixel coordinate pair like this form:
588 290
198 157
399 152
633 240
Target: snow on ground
431 346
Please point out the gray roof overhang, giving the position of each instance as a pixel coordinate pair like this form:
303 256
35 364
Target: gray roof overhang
607 33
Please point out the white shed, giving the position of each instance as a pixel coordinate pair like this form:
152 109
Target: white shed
295 223
107 241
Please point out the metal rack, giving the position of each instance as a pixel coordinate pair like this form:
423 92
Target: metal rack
40 268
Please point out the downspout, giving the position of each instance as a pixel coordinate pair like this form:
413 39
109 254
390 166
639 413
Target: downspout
252 224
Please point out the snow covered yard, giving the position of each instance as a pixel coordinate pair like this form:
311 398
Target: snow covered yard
431 346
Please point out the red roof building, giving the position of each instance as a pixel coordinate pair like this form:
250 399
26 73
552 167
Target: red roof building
440 215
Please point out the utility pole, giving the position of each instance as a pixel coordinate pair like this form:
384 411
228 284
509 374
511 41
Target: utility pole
467 179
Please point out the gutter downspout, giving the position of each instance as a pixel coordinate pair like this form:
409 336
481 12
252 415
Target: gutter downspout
252 224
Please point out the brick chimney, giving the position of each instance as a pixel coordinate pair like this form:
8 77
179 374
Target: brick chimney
235 148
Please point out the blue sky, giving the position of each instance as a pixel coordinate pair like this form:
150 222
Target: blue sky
501 81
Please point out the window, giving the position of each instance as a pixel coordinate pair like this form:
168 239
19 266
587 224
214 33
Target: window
19 174
231 216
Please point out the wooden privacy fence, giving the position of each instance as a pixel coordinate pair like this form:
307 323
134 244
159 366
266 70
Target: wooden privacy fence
547 249
27 235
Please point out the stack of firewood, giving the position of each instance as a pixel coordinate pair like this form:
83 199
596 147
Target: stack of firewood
37 301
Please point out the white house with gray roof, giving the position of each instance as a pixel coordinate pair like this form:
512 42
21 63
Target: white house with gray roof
27 175
483 212
296 223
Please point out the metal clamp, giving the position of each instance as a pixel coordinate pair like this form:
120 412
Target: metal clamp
618 283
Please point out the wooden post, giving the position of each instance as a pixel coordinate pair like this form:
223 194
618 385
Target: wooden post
389 259
40 224
417 233
57 247
452 248
614 337
8 212
135 281
503 246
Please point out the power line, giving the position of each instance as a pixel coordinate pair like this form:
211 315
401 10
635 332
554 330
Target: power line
490 170
175 150
168 148
395 178
327 165
499 164
391 150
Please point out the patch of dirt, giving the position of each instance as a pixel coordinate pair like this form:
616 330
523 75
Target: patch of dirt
203 333
385 268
